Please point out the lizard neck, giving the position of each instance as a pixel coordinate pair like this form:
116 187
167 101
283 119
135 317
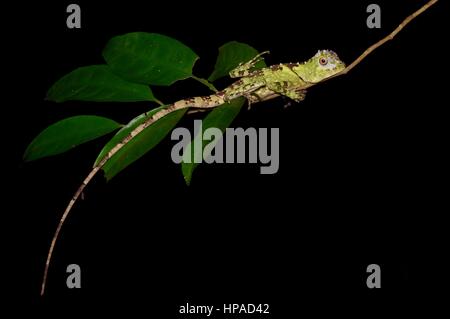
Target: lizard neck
305 72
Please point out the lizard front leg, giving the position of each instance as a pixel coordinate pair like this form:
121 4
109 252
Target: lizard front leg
260 95
295 93
243 69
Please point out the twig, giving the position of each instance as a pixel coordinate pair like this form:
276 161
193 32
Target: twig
384 40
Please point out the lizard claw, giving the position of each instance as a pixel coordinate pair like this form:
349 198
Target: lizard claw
287 105
264 52
258 57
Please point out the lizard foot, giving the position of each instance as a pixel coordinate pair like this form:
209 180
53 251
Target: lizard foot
243 69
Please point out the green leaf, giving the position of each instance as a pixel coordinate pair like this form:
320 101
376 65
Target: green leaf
220 117
140 144
230 55
97 83
149 58
68 133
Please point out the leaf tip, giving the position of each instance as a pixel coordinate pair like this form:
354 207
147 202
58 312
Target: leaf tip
26 158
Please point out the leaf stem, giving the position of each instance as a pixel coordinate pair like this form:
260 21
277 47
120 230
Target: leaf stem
205 82
159 102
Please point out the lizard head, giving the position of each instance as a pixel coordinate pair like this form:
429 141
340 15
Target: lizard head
323 65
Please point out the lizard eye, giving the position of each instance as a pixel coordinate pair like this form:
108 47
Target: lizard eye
323 61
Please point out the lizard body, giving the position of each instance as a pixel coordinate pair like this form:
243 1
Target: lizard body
289 79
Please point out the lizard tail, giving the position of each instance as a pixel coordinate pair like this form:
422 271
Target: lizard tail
197 102
61 222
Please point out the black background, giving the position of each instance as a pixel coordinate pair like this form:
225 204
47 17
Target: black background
359 160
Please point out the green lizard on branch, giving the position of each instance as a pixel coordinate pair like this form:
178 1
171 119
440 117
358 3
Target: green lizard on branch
290 80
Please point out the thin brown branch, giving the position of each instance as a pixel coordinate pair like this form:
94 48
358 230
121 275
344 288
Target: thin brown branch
385 39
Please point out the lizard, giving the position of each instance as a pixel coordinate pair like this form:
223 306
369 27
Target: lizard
289 79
